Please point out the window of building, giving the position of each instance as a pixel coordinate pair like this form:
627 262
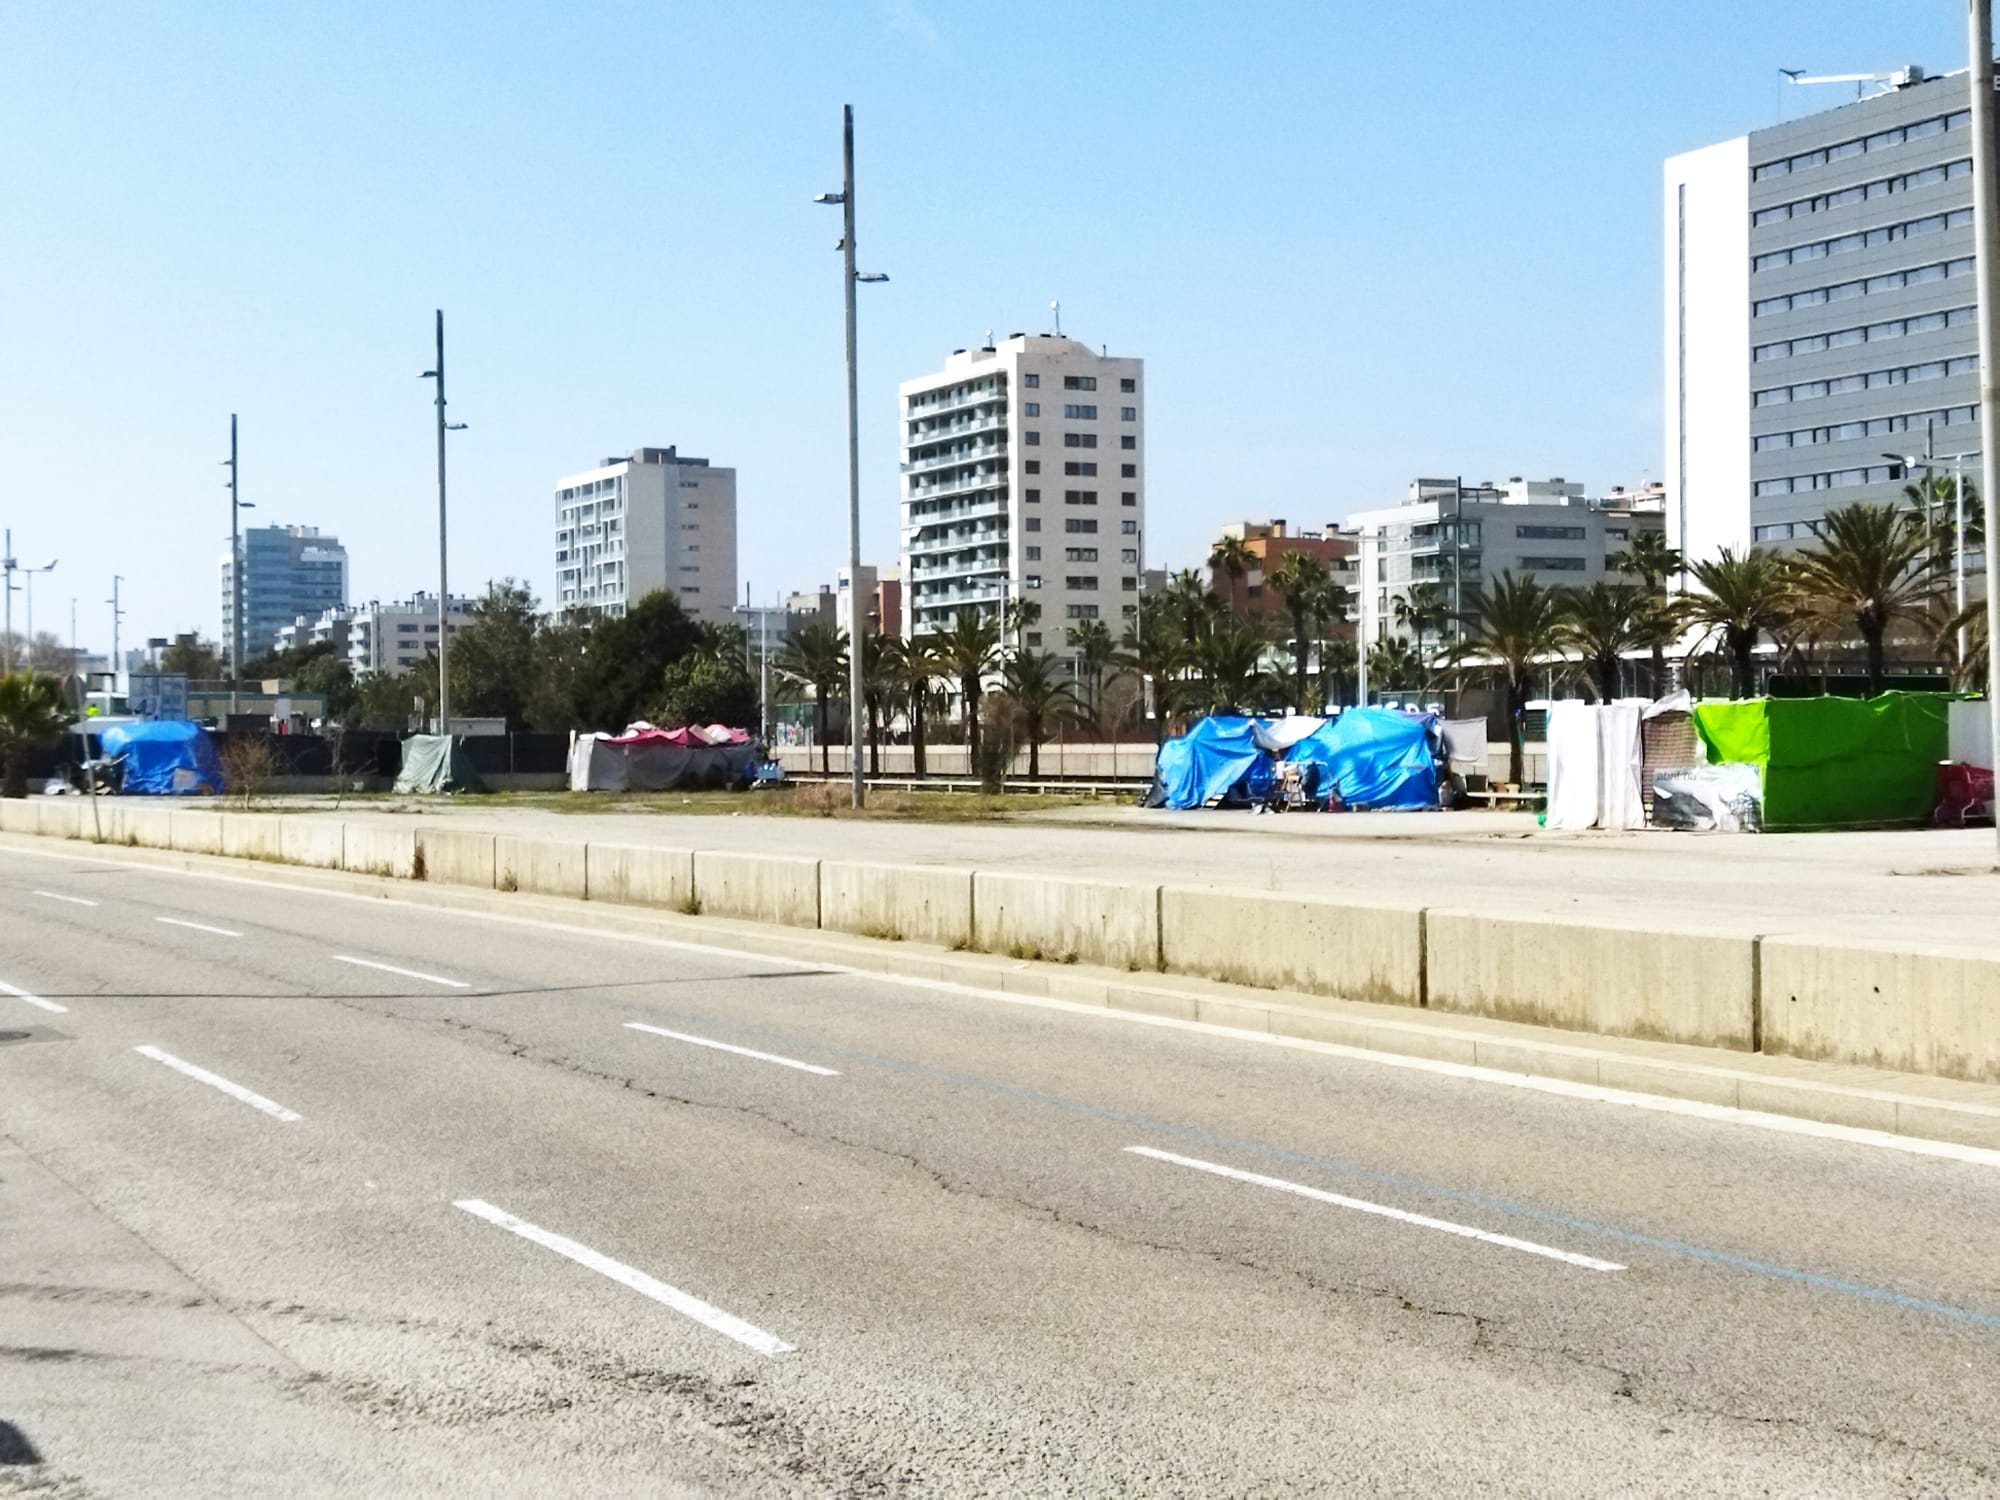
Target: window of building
1128 413
1081 582
1032 581
1032 466
1128 385
1128 471
1033 497
1032 439
1080 525
1128 442
1079 497
1128 497
1128 554
1081 467
1551 533
1129 528
1080 413
1034 523
1034 638
1079 440
1031 408
1031 380
1034 554
1552 564
1080 554
1079 382
1081 612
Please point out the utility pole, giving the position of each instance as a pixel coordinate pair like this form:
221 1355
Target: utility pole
117 614
7 584
856 675
444 591
235 576
1986 237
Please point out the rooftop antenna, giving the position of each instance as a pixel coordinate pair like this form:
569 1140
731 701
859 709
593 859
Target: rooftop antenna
1884 83
1056 308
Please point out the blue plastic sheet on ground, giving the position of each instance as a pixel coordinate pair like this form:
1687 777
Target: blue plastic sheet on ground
1209 760
1374 757
167 758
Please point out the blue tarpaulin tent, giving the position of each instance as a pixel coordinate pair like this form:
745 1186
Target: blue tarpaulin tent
1374 757
1209 760
164 758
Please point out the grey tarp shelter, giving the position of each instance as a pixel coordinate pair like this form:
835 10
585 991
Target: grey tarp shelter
436 763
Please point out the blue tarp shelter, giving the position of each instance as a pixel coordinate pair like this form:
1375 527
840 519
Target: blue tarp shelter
1209 760
167 758
1374 757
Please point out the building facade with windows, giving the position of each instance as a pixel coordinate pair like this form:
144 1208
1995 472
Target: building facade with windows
1024 478
1459 537
288 571
1267 543
1820 314
634 526
377 637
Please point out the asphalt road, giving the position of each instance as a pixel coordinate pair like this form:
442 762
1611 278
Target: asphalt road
317 1195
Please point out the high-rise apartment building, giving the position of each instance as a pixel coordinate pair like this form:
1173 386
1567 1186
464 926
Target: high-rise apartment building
1820 306
376 637
634 526
288 571
1024 467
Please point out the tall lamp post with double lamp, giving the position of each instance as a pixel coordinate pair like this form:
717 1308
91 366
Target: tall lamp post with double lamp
444 619
29 574
856 618
236 503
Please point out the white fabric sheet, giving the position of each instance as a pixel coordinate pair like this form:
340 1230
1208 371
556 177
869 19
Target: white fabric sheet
1621 797
1574 753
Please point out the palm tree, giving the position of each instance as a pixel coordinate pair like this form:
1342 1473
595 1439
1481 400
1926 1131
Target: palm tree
1229 661
1419 607
1194 604
1652 561
967 652
1154 651
1301 580
1038 693
1741 598
1094 647
815 657
1514 630
31 715
1394 665
1872 567
1600 623
1232 555
1339 662
917 665
1022 614
1971 672
880 673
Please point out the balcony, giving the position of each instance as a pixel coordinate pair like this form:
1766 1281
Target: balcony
956 403
988 481
951 457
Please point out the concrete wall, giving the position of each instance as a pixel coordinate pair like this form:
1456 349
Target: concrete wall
253 836
195 832
1921 1010
546 867
921 905
763 888
456 857
639 876
1070 921
18 815
1353 951
369 850
311 841
1696 988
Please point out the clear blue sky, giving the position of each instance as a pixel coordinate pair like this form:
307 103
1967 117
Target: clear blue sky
1353 244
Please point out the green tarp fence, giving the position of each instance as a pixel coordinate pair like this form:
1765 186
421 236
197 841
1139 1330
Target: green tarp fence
1832 761
436 763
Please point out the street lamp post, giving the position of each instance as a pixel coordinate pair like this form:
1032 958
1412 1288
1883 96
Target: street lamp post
855 618
1986 237
7 566
236 635
444 592
117 615
29 574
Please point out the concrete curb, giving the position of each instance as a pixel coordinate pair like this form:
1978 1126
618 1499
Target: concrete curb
1868 1098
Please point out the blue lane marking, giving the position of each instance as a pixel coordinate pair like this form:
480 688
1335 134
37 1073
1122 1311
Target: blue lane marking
1389 1179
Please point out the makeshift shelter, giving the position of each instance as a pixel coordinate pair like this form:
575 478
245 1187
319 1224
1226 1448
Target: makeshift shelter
1374 757
1595 766
1217 757
645 759
436 763
166 757
1826 762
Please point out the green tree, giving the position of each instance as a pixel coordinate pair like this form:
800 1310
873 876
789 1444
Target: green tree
1740 599
815 658
1515 629
194 658
700 689
384 702
1600 623
881 657
1339 667
627 657
968 652
1194 604
1022 615
1231 557
1648 558
1092 642
1396 666
31 715
1301 581
1871 567
1658 618
916 665
1418 608
1228 662
1154 650
1032 685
